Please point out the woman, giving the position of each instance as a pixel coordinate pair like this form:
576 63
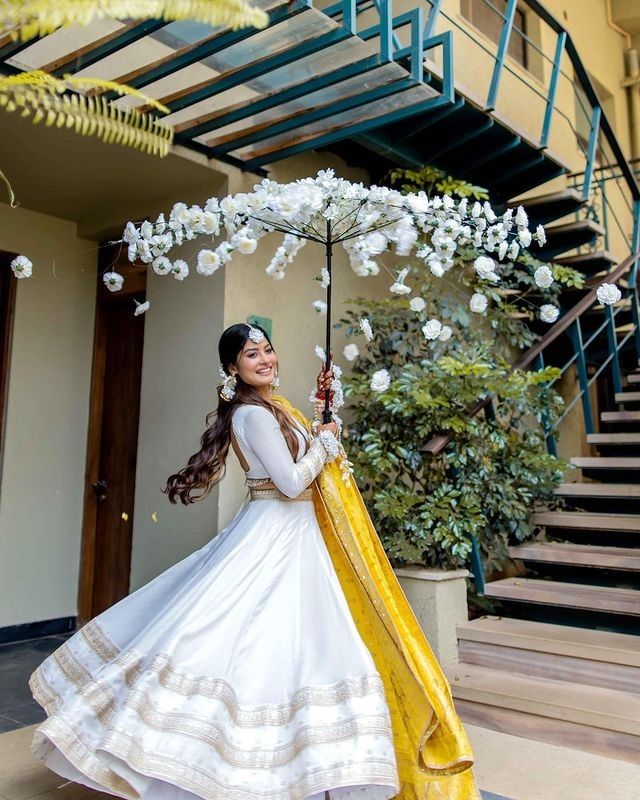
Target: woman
280 660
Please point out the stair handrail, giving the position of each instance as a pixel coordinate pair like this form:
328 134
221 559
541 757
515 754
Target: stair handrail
439 441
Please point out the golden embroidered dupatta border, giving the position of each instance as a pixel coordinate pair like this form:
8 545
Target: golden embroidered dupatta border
432 749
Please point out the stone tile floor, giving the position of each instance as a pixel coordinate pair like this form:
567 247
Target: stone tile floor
17 662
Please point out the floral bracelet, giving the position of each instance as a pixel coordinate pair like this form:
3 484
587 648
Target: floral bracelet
330 444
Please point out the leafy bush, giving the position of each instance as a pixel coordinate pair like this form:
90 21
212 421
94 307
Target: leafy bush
485 483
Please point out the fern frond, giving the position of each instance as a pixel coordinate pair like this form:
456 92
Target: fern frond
53 101
39 17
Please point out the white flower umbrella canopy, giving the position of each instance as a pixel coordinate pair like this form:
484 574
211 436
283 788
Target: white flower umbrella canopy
365 221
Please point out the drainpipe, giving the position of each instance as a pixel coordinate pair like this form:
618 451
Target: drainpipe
631 83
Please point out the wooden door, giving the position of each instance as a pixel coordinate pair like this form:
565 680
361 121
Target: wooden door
112 440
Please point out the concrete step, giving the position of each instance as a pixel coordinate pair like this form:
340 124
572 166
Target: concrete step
559 652
605 462
624 559
614 438
620 416
585 521
626 491
633 378
627 397
603 599
590 718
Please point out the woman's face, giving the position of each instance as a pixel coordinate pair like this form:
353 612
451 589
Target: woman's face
256 364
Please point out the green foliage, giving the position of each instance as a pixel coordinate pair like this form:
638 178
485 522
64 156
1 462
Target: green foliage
434 181
487 480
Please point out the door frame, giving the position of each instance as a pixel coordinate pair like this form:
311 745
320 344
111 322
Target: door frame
109 258
8 286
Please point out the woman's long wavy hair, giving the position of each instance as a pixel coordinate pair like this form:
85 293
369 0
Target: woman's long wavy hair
206 468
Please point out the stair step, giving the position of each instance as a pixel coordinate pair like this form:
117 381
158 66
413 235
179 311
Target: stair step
592 718
614 438
595 489
606 462
559 652
545 208
588 263
568 236
584 521
633 378
627 397
606 599
544 637
579 555
620 416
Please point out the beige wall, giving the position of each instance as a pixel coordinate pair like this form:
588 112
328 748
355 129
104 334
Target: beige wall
48 401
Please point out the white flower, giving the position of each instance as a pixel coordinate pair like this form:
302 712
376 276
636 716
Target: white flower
432 329
540 235
320 306
380 381
208 262
141 308
320 353
478 303
549 313
246 245
524 237
113 281
417 304
514 249
146 229
543 277
485 267
365 327
325 278
351 351
22 267
130 234
521 218
180 269
399 288
445 333
608 293
161 265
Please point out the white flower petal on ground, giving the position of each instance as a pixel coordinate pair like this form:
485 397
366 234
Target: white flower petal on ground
432 329
365 327
549 313
380 380
22 267
417 304
478 303
141 308
608 293
113 281
485 267
180 269
445 333
543 277
320 307
351 351
208 262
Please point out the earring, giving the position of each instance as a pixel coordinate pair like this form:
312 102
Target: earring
228 390
275 382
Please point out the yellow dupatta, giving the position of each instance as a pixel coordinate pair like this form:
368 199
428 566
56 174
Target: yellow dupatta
432 749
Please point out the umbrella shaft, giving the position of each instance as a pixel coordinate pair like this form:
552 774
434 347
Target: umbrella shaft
326 414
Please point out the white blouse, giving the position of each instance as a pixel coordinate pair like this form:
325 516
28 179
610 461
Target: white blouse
264 447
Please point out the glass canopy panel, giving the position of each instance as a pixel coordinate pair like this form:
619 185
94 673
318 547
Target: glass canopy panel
57 46
304 69
395 102
352 87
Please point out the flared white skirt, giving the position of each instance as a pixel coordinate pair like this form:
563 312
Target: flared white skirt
237 674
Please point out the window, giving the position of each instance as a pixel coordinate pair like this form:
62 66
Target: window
486 16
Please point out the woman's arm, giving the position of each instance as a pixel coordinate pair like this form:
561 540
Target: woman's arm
263 435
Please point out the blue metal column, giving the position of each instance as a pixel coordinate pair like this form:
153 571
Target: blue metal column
633 276
591 151
612 340
505 35
550 440
553 88
575 333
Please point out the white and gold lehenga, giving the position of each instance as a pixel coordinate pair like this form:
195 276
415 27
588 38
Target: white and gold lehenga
280 661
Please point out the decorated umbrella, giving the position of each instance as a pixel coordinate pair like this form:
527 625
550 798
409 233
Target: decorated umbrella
331 211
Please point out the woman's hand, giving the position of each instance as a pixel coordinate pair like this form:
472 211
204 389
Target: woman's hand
323 381
329 426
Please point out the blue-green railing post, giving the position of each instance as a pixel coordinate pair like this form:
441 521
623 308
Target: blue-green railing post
503 44
432 18
553 88
612 340
477 567
550 440
633 277
605 212
575 333
591 151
